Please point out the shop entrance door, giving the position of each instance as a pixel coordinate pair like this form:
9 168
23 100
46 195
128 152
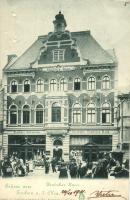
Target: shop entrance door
57 153
57 150
26 153
90 152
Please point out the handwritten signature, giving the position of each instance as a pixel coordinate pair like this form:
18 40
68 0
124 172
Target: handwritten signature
105 193
96 194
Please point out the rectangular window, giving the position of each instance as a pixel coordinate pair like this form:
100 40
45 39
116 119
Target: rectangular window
58 55
56 114
26 116
39 116
14 88
13 117
77 86
106 117
27 88
91 118
77 117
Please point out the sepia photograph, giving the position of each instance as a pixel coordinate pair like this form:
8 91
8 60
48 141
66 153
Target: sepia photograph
64 99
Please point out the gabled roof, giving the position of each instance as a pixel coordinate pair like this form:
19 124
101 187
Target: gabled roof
89 49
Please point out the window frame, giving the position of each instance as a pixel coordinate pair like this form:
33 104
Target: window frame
105 110
91 108
106 82
54 113
63 85
77 112
41 85
76 81
39 110
91 83
54 85
26 84
13 110
57 56
13 85
29 110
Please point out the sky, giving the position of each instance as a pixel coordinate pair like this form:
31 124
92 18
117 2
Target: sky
22 21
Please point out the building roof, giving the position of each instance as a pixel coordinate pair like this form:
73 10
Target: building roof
124 96
89 49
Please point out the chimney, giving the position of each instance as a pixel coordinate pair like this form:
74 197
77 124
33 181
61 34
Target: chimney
11 57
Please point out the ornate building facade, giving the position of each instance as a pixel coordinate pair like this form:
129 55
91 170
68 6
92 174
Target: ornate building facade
1 118
123 123
60 96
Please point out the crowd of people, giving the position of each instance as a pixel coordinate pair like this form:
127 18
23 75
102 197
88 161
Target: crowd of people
15 166
106 167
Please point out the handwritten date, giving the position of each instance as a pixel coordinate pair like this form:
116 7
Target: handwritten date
72 192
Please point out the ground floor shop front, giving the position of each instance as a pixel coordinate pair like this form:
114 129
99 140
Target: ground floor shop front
58 143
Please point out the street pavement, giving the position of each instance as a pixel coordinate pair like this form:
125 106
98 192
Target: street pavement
38 173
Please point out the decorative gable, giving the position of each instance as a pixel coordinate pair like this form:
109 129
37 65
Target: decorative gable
59 47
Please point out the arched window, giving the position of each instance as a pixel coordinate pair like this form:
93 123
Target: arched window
27 86
63 85
13 114
26 114
106 113
77 113
106 83
14 86
91 113
91 83
53 85
39 85
77 84
56 112
39 114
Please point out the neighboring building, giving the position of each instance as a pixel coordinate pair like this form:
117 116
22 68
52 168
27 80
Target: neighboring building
1 117
60 97
123 119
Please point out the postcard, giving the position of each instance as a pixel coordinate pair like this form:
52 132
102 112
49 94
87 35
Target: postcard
64 99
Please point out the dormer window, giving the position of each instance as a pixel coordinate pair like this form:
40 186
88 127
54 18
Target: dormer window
58 55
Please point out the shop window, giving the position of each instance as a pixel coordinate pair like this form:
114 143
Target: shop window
53 85
56 112
13 114
91 83
39 85
106 113
26 86
63 85
77 84
106 83
58 55
125 146
26 114
77 113
39 114
14 86
91 113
